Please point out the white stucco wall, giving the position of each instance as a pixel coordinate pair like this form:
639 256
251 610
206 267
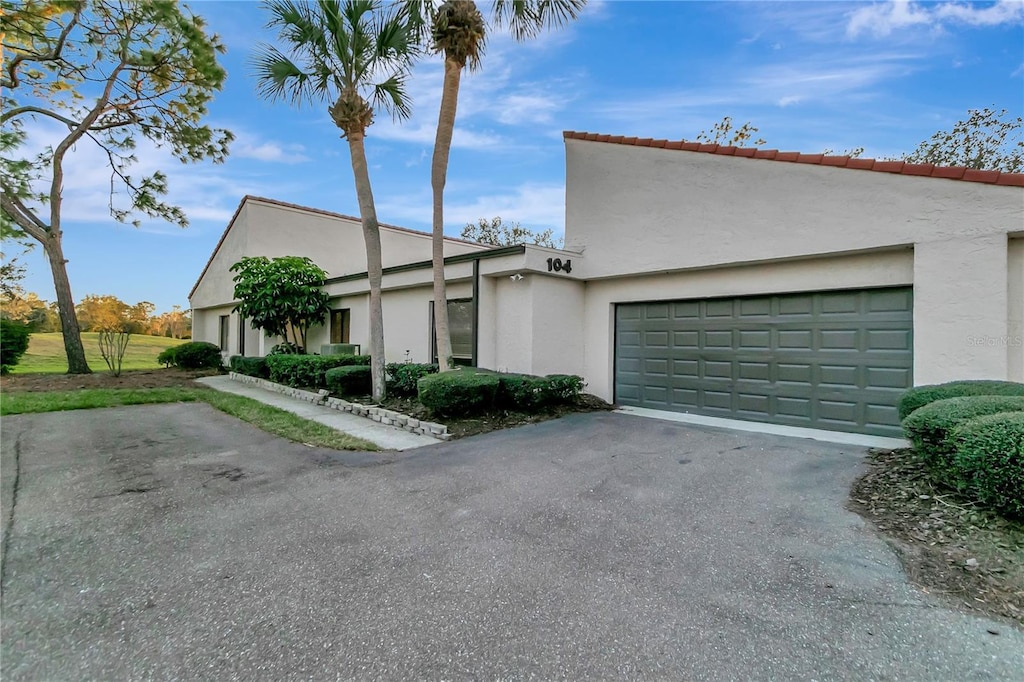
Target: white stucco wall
335 244
635 210
960 308
557 343
1015 301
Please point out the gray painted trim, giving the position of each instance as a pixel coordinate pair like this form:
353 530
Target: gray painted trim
496 252
840 437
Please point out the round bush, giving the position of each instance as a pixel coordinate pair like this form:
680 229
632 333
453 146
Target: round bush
458 393
349 380
198 355
990 459
13 343
403 377
929 428
919 396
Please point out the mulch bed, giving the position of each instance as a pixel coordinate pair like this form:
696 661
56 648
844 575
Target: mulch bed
129 379
950 546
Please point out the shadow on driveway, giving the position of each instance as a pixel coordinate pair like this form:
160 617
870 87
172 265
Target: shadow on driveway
175 541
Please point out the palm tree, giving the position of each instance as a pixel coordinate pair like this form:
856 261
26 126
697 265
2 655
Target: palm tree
459 31
355 55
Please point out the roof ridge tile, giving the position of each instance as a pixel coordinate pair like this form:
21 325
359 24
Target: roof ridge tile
990 177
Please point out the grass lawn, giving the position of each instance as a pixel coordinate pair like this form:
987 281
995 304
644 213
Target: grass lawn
46 353
270 419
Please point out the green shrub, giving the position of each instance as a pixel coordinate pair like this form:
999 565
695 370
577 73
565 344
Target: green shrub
167 357
349 380
563 389
198 355
990 460
13 343
930 427
526 393
458 393
287 348
919 396
522 392
402 377
307 371
253 367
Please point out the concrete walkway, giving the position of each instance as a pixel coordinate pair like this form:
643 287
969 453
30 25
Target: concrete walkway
385 437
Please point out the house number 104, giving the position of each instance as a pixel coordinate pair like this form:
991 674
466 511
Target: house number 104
558 265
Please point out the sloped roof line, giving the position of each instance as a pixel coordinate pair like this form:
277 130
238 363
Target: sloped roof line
318 211
990 177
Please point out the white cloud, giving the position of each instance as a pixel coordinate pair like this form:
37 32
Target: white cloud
790 100
425 133
268 151
534 205
205 191
882 19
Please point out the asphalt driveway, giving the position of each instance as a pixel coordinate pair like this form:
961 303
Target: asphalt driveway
173 541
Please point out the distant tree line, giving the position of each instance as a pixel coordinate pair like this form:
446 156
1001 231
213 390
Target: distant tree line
96 314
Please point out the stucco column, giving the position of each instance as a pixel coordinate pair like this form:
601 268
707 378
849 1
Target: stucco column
960 309
1015 291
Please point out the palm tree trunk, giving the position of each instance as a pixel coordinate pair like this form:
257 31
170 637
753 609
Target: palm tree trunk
371 235
438 177
66 306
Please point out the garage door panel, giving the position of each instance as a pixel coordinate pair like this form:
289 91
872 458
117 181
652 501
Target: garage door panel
889 339
836 360
754 371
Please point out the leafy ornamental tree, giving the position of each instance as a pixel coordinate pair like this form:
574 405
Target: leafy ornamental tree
724 134
985 140
11 274
498 233
108 72
281 295
356 55
458 30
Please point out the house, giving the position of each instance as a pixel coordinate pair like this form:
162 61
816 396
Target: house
804 290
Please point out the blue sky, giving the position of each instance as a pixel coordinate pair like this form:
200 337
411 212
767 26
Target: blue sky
810 75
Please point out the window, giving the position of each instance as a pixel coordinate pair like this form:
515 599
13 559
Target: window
241 335
460 327
340 325
224 329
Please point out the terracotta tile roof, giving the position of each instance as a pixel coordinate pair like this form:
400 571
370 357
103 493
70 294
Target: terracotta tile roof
879 166
318 211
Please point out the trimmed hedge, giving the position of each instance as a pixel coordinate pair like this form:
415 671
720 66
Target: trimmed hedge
930 427
919 396
349 380
522 392
196 355
402 377
13 343
253 367
458 393
990 460
564 388
307 371
527 393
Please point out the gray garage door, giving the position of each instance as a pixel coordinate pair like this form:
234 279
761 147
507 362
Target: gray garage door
835 360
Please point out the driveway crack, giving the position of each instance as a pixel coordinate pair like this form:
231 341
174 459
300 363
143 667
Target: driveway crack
10 516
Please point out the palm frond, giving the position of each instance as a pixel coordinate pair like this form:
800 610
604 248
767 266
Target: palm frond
525 19
278 77
391 96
